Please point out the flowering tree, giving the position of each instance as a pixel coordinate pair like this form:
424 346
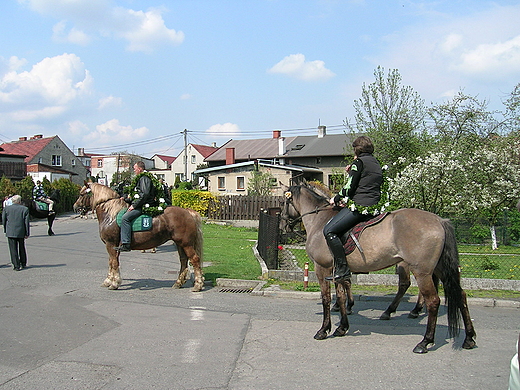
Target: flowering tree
476 185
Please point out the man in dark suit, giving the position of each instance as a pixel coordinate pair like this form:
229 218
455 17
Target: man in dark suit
15 219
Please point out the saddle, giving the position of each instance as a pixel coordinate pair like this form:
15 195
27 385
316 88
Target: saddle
350 238
41 206
141 224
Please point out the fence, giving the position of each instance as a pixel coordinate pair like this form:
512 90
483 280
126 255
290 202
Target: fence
476 261
237 207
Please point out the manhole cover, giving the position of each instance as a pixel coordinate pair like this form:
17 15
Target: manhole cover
235 290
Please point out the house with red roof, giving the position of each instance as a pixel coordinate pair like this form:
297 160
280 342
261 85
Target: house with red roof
47 157
187 162
163 168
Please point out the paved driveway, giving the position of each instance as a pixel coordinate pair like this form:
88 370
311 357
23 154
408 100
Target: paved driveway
60 330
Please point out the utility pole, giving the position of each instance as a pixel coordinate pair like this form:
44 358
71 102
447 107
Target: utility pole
185 154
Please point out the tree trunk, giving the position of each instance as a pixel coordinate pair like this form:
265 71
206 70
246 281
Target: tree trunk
493 238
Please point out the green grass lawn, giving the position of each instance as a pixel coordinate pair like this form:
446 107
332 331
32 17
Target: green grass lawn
228 252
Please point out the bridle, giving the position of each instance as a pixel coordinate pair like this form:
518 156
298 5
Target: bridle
291 222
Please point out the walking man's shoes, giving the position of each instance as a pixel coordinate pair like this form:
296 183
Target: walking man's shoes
123 248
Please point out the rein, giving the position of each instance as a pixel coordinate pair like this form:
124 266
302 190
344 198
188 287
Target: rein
294 221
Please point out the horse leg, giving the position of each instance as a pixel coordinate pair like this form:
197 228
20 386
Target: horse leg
183 272
195 260
113 279
350 298
469 340
50 221
416 311
325 303
343 327
432 301
404 283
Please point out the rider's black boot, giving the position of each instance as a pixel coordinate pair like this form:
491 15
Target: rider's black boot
341 268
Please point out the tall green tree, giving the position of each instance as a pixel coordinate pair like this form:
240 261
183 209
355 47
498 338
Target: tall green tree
393 116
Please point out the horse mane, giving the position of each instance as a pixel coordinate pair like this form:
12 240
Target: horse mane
107 199
317 190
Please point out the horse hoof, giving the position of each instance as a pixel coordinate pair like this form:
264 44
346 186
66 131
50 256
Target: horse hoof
113 287
413 315
420 349
196 289
469 344
385 317
51 233
320 336
176 286
106 283
340 332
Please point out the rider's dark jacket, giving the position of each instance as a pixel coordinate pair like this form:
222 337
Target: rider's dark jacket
146 191
364 182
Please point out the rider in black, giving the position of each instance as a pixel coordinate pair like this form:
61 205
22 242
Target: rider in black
144 195
363 187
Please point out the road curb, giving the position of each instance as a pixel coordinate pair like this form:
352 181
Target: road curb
276 292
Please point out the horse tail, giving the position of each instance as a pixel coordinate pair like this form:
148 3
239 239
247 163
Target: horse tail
450 278
199 239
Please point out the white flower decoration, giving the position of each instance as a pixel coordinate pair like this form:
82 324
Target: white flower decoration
364 212
147 205
353 207
136 196
159 208
161 200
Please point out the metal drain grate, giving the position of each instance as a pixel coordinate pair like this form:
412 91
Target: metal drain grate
235 290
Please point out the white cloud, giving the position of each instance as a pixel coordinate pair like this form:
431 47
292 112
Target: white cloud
295 66
492 58
112 132
110 101
75 36
77 127
477 52
52 85
186 96
143 30
224 130
146 30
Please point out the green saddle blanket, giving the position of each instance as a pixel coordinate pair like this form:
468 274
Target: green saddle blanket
140 224
42 206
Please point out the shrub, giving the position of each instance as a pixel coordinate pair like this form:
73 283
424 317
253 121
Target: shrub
193 199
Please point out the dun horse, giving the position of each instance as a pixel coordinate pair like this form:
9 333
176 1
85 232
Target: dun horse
420 240
183 226
36 212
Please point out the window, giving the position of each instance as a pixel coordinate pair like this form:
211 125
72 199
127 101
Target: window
73 162
193 159
40 160
241 183
100 163
221 183
318 160
56 160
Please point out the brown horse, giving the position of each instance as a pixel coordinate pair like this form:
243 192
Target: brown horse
421 240
183 226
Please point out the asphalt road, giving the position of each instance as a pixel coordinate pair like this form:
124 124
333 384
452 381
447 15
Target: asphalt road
59 329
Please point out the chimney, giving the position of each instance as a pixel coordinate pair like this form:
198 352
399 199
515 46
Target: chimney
22 139
213 144
281 146
322 131
81 151
38 136
277 133
230 156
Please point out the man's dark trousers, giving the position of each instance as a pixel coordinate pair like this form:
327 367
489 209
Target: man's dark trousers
126 225
17 252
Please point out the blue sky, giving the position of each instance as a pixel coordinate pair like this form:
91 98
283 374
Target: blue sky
114 75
